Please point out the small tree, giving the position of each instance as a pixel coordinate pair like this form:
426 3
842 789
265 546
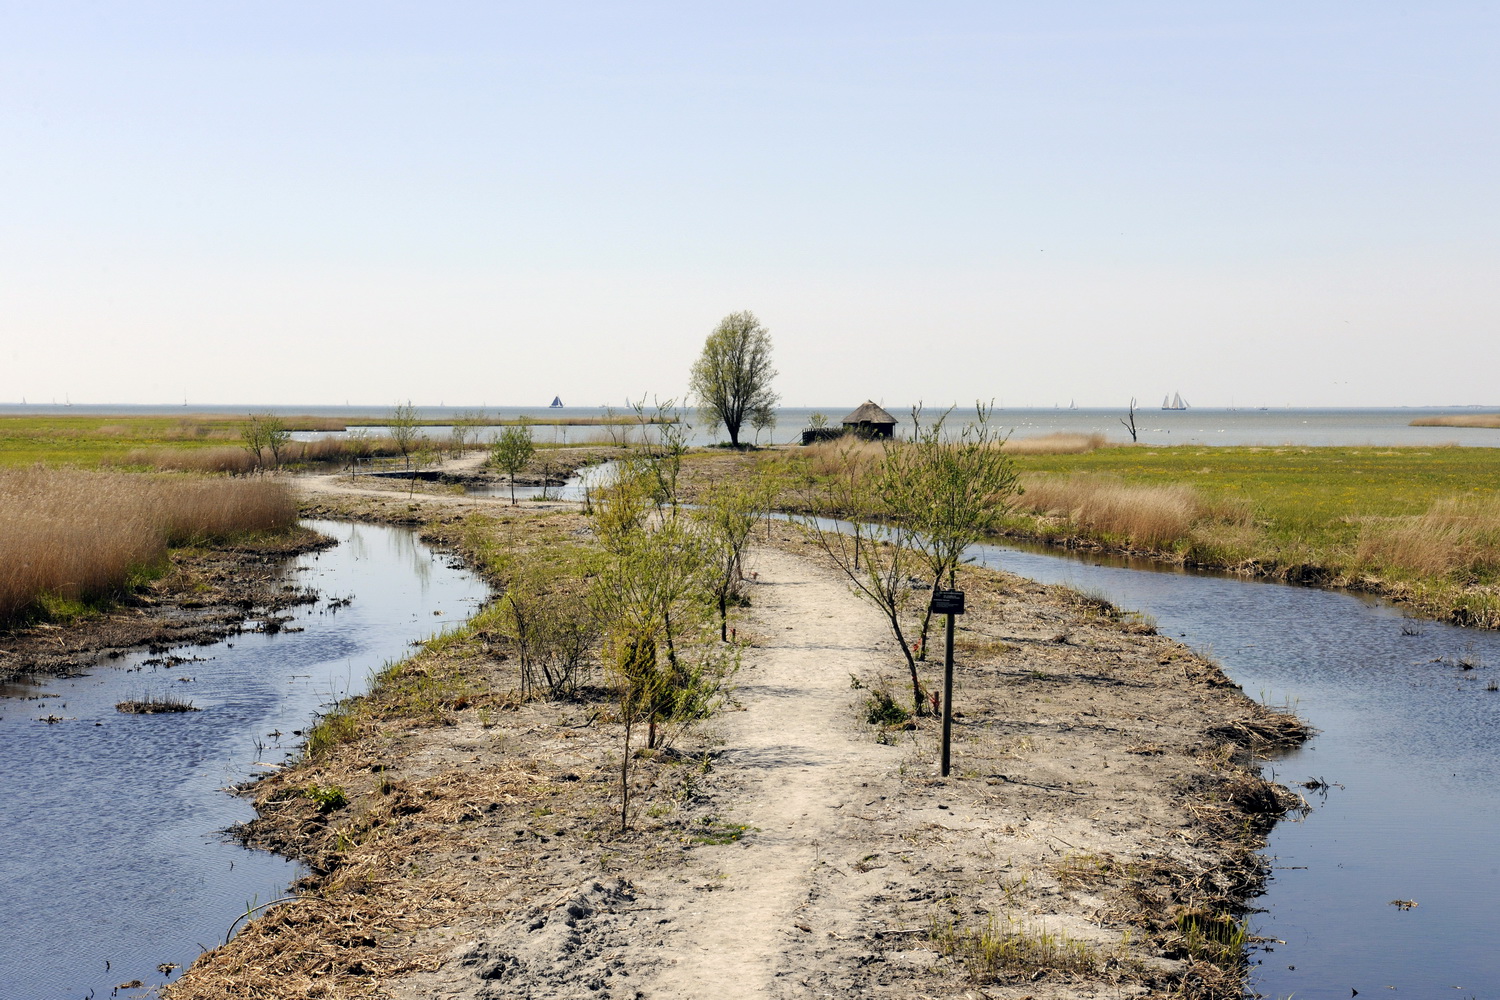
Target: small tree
512 451
732 378
877 558
950 492
649 598
403 423
265 432
727 513
465 430
763 418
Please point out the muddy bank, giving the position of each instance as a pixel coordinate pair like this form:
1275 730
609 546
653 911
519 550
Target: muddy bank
207 594
1097 835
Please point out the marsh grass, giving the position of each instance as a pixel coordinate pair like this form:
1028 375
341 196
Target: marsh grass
156 704
1059 443
1456 536
1141 516
1215 937
71 539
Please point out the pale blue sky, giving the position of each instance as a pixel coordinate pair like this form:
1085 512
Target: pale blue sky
1260 203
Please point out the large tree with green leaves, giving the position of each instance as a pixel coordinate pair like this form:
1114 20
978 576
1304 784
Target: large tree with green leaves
732 378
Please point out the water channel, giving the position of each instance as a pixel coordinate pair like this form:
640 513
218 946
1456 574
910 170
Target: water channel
112 847
1411 749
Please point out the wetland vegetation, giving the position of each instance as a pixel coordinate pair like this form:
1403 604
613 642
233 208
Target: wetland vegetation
72 540
1420 525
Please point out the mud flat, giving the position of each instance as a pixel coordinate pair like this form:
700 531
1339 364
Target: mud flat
1097 836
209 593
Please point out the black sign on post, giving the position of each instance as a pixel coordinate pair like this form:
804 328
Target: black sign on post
947 602
950 603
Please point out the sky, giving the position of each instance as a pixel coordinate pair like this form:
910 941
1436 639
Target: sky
267 202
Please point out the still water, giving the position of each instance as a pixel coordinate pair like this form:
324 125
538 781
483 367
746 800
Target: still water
1411 744
113 856
1385 426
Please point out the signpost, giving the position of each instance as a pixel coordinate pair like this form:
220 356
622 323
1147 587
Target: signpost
950 603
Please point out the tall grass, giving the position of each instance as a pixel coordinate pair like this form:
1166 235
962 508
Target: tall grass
1059 443
844 457
1145 516
240 461
1456 538
81 536
191 459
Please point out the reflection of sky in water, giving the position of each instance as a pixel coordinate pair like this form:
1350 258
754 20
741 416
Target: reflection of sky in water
1411 737
110 845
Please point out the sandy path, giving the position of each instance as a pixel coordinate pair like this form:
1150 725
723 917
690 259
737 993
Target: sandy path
799 760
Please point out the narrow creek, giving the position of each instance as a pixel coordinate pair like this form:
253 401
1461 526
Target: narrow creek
1410 750
112 846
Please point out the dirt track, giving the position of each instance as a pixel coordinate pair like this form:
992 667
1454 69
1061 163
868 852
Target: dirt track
1099 802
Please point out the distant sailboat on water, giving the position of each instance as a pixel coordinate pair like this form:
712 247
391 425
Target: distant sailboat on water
557 402
1175 403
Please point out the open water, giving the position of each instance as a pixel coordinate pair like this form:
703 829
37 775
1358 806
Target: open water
1272 426
113 853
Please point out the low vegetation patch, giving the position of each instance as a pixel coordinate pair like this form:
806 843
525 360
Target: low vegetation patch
156 705
1009 946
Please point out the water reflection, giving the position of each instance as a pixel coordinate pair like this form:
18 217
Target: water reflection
110 844
1408 736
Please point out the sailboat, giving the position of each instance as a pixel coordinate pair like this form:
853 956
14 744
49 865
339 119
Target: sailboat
1175 403
557 402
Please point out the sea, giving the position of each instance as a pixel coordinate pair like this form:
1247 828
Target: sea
1306 426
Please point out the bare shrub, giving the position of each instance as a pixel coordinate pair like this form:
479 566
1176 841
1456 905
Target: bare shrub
81 535
1059 443
554 635
1455 536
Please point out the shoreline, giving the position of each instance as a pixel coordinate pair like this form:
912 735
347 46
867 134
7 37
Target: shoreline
209 594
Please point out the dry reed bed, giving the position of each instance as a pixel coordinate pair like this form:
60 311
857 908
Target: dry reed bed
1455 537
1059 443
1152 517
80 536
1459 420
242 461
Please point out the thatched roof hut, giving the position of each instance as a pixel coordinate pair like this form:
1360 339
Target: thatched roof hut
869 420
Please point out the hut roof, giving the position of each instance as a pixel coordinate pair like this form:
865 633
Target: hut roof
868 413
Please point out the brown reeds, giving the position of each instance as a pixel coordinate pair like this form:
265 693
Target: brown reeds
1144 516
241 461
1459 420
845 457
191 459
1058 443
1455 537
80 536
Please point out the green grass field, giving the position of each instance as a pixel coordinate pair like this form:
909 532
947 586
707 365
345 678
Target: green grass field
1417 524
1311 500
88 441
